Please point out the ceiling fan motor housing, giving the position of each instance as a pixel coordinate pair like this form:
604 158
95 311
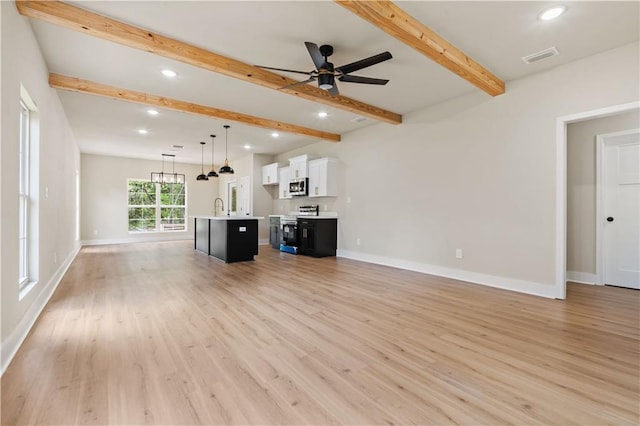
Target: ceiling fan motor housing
326 50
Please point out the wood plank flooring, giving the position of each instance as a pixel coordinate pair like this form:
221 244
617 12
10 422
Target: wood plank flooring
160 334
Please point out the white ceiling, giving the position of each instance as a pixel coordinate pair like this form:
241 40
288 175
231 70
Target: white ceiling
272 33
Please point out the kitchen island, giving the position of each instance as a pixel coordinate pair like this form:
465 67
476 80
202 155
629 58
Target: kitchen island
228 238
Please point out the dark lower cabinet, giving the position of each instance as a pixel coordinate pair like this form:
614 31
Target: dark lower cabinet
275 232
317 237
230 240
233 240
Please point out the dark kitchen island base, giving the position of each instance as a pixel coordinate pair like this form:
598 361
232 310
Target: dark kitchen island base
230 239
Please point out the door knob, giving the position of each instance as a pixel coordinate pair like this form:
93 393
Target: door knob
609 219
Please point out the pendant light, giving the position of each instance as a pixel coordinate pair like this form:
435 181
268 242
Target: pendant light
226 168
212 173
162 177
202 176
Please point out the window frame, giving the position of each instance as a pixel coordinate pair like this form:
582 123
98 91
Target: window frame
24 195
158 206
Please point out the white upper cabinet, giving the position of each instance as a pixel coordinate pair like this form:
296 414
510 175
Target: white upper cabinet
323 177
298 167
283 179
270 174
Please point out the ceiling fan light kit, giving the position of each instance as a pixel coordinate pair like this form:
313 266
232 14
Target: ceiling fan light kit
325 73
226 169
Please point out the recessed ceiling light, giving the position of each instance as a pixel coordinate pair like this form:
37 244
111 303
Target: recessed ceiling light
143 131
169 73
152 112
322 114
552 13
247 147
275 134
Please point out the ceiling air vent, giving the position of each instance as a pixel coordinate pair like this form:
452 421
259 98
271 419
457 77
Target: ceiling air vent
359 119
539 56
178 146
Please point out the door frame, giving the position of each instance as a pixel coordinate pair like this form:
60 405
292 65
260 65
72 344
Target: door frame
560 287
601 141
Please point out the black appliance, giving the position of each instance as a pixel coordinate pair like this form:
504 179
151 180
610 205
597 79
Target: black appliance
289 232
299 187
289 224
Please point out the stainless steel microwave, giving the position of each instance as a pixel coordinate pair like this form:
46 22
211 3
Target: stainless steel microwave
299 186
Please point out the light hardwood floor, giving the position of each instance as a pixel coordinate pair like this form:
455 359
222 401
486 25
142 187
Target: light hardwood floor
161 334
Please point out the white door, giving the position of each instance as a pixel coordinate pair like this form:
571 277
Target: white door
621 209
244 196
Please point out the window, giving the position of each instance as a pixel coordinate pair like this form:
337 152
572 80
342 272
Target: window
156 207
27 188
23 194
232 197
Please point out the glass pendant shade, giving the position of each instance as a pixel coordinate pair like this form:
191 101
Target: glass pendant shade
202 176
226 169
212 173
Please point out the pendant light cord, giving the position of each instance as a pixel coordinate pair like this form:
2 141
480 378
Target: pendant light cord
202 156
226 144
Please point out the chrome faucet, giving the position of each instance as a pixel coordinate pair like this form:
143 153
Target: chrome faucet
215 206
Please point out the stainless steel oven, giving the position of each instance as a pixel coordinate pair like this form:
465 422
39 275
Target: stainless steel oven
289 231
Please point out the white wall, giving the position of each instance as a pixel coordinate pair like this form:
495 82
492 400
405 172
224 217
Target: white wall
581 189
475 173
22 63
104 198
261 197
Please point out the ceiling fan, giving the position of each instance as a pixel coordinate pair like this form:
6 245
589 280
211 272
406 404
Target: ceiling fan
326 73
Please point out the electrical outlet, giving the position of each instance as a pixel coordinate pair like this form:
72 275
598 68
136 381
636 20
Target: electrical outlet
55 257
325 207
357 241
95 232
348 200
458 253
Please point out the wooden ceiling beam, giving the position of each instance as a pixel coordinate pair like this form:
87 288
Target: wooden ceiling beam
84 86
398 23
87 22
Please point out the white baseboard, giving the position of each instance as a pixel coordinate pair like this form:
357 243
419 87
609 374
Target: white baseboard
582 278
513 284
142 239
15 339
263 242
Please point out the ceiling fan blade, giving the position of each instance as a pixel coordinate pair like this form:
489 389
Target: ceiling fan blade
363 80
284 69
316 56
364 63
334 90
299 83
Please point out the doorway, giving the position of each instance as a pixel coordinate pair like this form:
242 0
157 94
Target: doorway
560 287
618 208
